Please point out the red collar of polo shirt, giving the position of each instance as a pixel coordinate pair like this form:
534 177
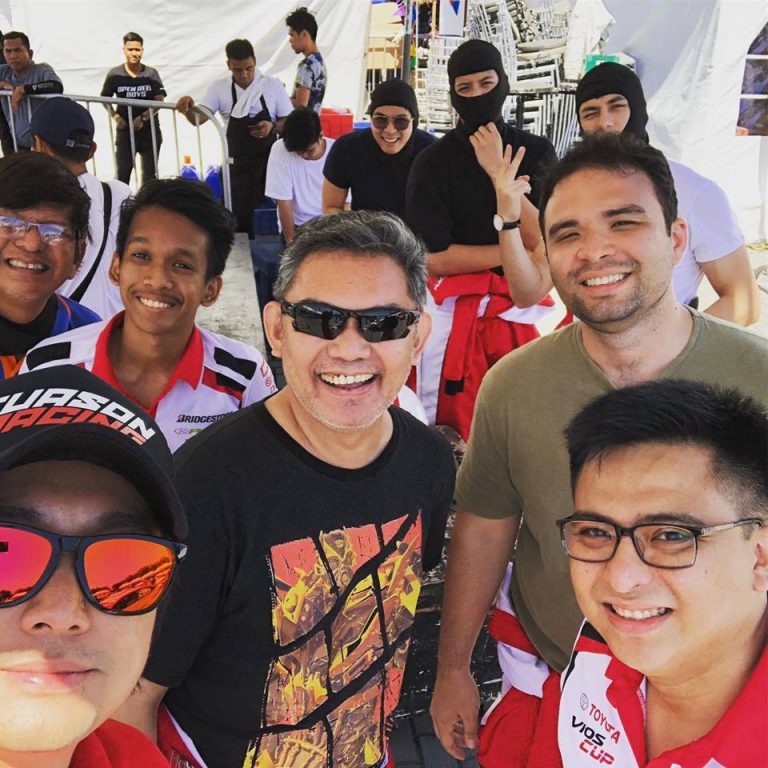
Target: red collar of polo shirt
189 369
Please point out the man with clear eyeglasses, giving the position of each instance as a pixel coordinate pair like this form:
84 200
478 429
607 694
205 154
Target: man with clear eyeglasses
43 232
668 548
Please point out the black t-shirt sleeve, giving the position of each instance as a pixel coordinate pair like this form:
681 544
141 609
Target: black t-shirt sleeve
159 88
108 88
337 168
427 210
189 616
431 457
441 505
539 155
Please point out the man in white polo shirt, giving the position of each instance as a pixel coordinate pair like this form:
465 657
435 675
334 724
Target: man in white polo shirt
252 107
172 245
610 99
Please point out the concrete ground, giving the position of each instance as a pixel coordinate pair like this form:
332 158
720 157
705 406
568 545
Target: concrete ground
236 313
413 743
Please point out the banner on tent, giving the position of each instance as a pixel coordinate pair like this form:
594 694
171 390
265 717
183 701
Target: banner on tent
453 16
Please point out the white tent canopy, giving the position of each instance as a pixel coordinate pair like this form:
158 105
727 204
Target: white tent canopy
690 56
184 40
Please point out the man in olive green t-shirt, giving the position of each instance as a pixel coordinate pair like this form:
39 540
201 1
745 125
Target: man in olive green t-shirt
609 217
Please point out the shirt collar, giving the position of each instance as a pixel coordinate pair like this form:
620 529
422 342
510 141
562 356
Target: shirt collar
189 368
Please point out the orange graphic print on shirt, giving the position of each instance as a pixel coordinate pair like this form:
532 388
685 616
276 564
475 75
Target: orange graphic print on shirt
343 611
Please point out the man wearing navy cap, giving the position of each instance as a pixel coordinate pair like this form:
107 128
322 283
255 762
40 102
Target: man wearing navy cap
90 530
64 129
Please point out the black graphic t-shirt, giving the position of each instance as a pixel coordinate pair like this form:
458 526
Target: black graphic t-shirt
377 180
285 637
146 86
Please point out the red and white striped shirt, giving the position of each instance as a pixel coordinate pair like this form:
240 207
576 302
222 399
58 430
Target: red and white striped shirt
215 376
602 717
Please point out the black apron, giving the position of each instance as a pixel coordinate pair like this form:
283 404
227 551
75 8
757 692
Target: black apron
249 159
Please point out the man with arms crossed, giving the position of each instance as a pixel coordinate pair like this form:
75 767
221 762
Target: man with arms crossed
90 526
608 214
669 561
314 515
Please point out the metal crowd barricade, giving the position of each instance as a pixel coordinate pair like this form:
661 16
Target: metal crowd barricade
155 108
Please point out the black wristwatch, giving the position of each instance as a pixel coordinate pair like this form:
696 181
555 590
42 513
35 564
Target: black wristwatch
499 224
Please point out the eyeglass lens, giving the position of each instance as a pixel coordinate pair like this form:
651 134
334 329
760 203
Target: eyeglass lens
121 574
329 322
50 233
667 546
380 122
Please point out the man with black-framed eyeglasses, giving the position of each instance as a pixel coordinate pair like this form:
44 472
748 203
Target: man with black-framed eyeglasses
313 516
43 234
612 236
668 548
91 533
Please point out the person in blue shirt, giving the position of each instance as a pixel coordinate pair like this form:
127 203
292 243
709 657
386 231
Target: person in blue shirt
43 234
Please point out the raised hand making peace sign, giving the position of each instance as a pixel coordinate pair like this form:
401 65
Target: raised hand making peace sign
510 188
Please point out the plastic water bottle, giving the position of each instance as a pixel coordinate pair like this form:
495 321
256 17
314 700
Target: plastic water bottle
213 180
188 171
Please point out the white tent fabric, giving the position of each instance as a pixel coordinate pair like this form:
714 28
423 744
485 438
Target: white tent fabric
185 39
690 58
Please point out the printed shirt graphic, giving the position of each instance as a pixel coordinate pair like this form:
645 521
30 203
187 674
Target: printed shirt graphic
311 73
343 611
602 717
147 85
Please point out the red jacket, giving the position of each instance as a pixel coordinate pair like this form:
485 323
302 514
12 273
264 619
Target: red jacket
116 745
475 343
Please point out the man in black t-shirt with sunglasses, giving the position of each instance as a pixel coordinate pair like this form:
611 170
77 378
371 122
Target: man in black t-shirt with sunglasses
312 518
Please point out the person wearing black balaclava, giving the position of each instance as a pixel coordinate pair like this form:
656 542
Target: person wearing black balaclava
373 164
453 197
610 98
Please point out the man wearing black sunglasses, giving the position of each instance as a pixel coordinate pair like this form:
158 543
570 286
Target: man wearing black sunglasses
668 548
373 164
90 531
316 513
